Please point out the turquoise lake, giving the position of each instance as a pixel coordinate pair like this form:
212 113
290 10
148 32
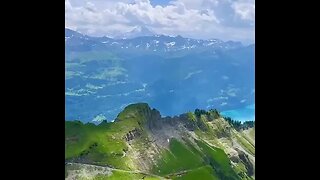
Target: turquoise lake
246 113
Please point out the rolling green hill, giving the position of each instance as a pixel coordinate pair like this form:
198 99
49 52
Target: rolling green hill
140 144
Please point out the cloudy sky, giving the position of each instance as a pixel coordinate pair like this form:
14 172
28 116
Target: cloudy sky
201 19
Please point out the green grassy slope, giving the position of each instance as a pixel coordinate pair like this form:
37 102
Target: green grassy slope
203 173
177 159
116 175
186 157
103 144
218 160
92 172
180 158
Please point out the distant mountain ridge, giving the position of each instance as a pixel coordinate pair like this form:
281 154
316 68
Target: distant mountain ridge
142 38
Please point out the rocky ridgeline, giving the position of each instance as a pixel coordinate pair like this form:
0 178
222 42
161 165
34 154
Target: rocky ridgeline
151 118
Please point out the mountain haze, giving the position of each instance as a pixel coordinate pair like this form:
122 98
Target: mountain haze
172 74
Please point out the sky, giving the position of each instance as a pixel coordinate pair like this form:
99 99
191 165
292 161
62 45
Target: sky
243 114
201 19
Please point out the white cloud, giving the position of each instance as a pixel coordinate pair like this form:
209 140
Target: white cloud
230 91
192 73
225 77
221 97
199 4
244 9
91 86
71 74
223 104
111 74
67 5
196 19
217 99
243 101
78 92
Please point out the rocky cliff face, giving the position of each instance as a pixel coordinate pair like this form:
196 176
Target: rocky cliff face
132 134
244 158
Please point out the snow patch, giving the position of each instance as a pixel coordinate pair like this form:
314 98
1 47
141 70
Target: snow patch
99 118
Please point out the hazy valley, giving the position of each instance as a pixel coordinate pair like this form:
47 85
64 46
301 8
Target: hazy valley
172 74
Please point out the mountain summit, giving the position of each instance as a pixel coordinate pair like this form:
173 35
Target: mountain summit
137 31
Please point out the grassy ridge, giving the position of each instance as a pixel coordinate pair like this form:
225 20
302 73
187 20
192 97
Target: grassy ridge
180 158
218 160
177 159
102 144
186 158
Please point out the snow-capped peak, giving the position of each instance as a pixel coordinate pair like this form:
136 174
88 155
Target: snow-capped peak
136 32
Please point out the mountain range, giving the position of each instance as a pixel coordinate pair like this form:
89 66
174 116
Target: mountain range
171 73
142 144
141 38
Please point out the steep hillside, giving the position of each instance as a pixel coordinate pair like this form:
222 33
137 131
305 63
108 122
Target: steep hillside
140 144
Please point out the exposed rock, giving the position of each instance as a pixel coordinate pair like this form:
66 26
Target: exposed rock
234 159
245 160
132 134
